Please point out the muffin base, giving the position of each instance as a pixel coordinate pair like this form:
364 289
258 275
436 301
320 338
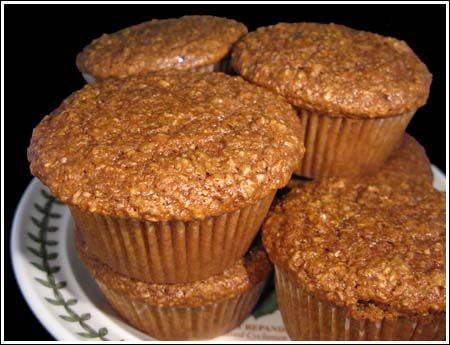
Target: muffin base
184 323
171 252
221 66
308 318
347 147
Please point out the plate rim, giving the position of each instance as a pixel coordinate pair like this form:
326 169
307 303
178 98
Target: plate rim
48 319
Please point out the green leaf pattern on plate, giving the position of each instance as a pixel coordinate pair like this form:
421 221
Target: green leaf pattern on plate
45 256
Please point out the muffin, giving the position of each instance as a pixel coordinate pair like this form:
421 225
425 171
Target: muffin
198 310
408 163
188 43
355 92
168 176
362 260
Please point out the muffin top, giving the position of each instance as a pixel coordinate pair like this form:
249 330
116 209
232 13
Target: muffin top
334 69
376 247
181 43
245 274
167 146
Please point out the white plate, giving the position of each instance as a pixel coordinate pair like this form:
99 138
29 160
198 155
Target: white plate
64 297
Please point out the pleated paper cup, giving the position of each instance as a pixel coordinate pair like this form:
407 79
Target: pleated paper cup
338 146
184 323
308 318
221 66
198 310
171 252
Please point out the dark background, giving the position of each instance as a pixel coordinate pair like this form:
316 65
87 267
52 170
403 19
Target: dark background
41 43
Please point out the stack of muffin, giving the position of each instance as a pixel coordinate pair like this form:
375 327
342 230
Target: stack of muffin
170 170
359 253
169 175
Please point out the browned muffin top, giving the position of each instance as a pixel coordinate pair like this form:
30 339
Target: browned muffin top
182 43
245 274
376 249
376 245
334 69
167 146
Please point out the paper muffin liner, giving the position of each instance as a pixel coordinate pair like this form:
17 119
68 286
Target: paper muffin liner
215 67
183 323
221 66
345 147
171 251
89 78
308 318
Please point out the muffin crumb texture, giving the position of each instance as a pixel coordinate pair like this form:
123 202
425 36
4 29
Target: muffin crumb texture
178 43
376 245
334 69
171 146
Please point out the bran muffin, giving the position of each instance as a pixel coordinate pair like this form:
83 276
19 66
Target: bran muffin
364 259
355 91
408 164
190 42
198 310
168 176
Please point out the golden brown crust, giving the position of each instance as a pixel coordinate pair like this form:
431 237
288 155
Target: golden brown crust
181 43
167 146
375 245
244 275
333 69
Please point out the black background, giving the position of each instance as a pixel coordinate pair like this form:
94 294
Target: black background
41 43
